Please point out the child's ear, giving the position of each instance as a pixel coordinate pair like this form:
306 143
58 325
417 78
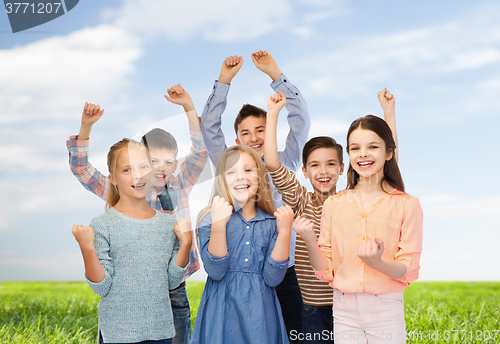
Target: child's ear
341 170
305 172
175 166
237 142
112 179
389 154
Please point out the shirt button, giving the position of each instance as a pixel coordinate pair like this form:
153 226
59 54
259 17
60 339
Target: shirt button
248 243
363 215
364 237
248 227
246 259
360 283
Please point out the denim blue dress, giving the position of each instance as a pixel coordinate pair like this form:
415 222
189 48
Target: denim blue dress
239 304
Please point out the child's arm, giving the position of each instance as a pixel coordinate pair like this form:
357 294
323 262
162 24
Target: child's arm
277 255
78 147
178 95
221 212
284 219
292 193
275 103
182 230
85 238
99 267
179 261
212 233
216 104
387 102
410 245
298 115
305 229
194 163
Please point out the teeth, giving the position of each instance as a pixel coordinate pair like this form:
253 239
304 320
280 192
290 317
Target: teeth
255 146
241 187
159 175
365 163
324 179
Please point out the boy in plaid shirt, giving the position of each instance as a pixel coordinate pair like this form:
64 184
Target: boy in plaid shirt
169 193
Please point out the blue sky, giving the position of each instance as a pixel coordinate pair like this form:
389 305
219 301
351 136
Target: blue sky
440 60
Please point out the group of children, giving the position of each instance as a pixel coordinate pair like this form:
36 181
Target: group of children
338 275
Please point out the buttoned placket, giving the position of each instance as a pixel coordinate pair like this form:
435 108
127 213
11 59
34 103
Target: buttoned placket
247 247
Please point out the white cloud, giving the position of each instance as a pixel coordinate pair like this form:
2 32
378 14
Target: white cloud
222 20
43 79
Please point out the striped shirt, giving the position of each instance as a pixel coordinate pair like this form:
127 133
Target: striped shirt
182 183
314 292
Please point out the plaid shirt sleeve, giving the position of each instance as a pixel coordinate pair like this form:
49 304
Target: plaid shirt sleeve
87 175
191 169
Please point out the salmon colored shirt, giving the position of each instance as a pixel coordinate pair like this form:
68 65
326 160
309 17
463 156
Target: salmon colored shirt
396 218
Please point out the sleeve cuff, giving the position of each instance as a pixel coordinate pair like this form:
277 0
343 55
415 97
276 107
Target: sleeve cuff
75 145
278 265
220 89
101 288
217 260
278 172
324 275
281 79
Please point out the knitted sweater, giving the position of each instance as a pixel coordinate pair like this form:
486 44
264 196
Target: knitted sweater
138 257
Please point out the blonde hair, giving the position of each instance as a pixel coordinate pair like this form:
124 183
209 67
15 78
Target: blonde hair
264 194
113 154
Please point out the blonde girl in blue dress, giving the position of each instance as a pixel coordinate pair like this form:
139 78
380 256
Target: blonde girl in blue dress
245 254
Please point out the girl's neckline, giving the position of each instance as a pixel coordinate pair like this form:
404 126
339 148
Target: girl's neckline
373 204
112 209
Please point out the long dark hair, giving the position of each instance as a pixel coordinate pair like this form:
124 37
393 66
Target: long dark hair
392 175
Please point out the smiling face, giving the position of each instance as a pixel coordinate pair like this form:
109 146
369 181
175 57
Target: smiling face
164 165
132 176
251 132
368 154
323 170
242 177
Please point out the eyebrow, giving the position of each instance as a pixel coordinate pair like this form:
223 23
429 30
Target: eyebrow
259 127
314 161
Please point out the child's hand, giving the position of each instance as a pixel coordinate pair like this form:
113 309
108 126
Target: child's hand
305 229
265 63
371 252
178 95
84 236
230 67
284 219
91 114
276 101
386 100
182 230
221 211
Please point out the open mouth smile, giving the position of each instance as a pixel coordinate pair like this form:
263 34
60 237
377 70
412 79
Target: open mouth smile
324 180
241 187
365 163
139 186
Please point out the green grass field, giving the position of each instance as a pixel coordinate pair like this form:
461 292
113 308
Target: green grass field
58 312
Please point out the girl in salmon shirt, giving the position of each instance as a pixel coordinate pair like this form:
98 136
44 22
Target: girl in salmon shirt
371 240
